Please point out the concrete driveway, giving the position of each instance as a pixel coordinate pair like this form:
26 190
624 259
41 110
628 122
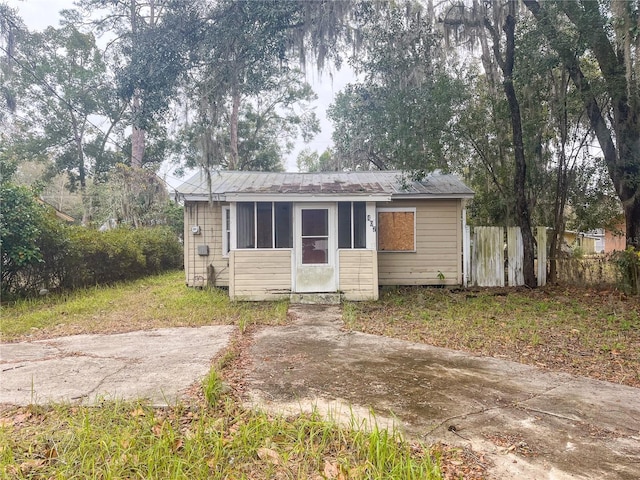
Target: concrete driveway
156 365
533 424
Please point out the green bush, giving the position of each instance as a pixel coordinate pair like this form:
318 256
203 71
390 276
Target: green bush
628 263
22 221
121 254
39 251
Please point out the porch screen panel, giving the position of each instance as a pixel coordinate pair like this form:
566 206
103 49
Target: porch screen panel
396 231
315 236
245 225
359 225
265 225
352 232
284 224
344 224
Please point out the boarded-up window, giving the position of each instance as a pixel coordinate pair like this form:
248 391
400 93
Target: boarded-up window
396 230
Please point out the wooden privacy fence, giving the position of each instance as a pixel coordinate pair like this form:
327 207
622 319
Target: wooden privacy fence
488 257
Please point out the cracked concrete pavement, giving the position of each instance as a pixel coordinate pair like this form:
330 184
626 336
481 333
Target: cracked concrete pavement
156 365
531 423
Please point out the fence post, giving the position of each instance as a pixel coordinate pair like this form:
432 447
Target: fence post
515 257
541 239
488 256
466 255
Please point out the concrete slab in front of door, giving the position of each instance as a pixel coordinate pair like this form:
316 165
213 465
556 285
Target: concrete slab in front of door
329 298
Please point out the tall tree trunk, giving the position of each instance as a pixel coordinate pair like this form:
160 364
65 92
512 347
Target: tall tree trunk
82 173
501 156
233 127
558 214
523 216
562 180
632 214
138 134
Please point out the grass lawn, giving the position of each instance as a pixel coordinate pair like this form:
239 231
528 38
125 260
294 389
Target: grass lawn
203 441
153 302
583 332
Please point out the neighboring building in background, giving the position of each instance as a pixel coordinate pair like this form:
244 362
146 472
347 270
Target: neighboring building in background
587 242
610 240
615 239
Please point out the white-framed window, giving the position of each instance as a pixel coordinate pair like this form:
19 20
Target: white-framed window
264 225
226 230
397 229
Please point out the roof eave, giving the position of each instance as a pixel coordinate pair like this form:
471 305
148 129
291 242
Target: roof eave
200 197
424 196
308 197
342 197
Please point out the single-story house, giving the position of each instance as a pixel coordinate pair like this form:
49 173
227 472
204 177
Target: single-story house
279 235
615 239
586 241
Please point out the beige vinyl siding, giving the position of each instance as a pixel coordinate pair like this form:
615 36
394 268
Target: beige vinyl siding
260 274
214 268
358 274
438 246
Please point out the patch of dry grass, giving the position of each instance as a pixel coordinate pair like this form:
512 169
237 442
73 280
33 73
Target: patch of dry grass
153 302
583 332
216 440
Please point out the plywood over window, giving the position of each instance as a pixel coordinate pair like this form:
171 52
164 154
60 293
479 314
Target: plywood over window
396 230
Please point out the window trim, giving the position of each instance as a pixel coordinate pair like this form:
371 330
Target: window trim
393 210
226 240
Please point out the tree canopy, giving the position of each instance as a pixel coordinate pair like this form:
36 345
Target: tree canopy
535 103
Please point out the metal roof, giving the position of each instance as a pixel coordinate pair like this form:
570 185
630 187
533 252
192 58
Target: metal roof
360 183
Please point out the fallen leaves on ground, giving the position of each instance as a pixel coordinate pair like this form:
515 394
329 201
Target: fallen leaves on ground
579 331
511 443
460 462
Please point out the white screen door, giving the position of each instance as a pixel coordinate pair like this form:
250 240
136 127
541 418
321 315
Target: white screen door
315 248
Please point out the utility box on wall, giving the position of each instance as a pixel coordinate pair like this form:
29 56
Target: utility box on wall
203 250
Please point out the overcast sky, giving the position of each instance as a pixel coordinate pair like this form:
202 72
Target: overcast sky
38 14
